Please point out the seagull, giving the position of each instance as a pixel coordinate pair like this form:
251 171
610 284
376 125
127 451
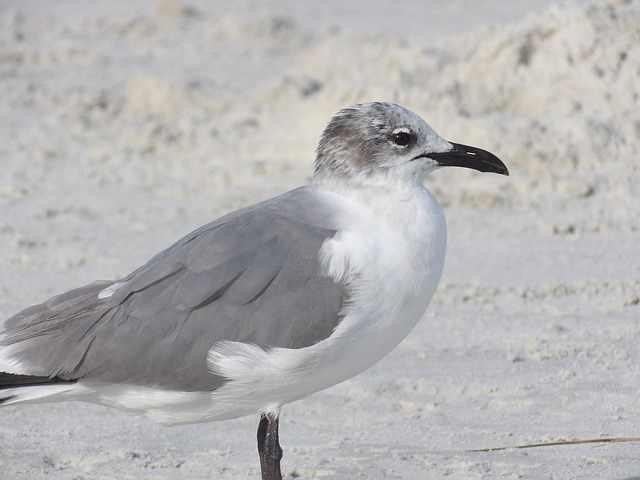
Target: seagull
265 305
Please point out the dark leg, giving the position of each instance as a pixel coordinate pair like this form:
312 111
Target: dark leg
269 447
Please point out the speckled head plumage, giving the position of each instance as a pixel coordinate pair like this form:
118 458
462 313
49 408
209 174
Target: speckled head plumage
372 139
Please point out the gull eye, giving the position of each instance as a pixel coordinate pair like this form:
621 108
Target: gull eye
401 138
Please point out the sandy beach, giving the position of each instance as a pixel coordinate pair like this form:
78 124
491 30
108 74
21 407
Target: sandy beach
125 127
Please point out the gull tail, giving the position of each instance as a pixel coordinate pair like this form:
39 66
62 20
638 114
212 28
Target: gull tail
45 342
32 389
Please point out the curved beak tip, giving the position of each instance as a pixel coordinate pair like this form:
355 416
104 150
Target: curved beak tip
471 157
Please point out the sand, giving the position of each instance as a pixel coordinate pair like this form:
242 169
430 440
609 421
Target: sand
124 127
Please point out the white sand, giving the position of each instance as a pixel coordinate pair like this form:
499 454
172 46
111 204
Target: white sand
124 128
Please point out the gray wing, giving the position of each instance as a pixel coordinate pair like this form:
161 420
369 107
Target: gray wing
251 276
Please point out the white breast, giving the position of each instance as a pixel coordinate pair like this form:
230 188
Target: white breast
393 259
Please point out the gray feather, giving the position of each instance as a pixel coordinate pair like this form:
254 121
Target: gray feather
245 277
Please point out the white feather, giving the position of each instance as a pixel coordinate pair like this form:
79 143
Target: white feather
110 290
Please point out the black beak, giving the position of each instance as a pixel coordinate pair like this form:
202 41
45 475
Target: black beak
469 157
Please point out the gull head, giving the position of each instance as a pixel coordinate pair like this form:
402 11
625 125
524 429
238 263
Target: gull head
373 142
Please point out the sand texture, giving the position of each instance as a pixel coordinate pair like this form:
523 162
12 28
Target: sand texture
123 127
